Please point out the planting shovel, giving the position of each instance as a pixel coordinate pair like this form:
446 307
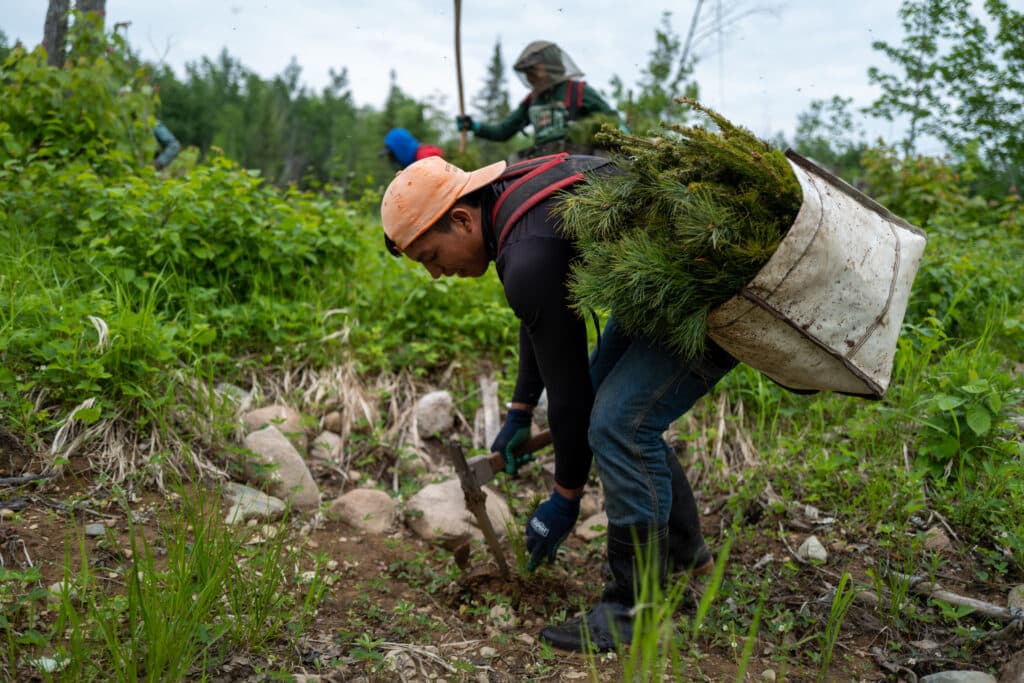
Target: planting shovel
477 472
485 467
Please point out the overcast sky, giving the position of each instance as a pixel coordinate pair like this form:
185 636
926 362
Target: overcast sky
761 73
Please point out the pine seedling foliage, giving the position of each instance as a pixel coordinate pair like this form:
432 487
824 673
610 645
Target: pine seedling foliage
693 217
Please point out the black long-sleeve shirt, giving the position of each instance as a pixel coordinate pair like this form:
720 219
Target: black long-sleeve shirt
534 267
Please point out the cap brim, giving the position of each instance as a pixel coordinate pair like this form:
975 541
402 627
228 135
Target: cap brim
481 177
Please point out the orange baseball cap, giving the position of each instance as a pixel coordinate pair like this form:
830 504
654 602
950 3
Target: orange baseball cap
420 193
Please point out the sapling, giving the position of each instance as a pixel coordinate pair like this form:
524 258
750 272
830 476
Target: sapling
691 219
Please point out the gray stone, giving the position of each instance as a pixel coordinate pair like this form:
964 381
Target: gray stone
437 512
238 396
1015 599
591 504
332 422
326 447
370 510
434 414
414 464
504 617
936 539
1013 670
540 411
290 480
959 677
96 529
249 503
812 549
287 420
60 590
593 527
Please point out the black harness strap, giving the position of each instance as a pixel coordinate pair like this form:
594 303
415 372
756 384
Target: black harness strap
537 179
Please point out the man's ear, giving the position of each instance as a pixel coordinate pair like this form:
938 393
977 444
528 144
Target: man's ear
461 218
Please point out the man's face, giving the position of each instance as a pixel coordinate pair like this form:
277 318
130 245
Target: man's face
459 251
537 75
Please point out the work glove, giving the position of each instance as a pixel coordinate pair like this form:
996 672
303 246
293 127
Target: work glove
550 524
515 431
464 122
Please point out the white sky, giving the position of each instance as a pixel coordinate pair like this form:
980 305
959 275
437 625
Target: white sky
764 71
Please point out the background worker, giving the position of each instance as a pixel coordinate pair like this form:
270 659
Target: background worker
403 148
611 409
557 97
169 146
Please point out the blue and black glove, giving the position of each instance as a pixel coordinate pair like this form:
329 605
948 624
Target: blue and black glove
515 431
464 122
550 524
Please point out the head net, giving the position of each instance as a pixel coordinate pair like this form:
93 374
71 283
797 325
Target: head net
543 64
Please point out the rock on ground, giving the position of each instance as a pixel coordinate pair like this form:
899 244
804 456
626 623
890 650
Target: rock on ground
434 414
291 479
959 677
287 420
593 527
326 447
812 549
249 503
437 512
370 510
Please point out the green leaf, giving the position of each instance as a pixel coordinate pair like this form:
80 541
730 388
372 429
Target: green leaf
948 447
947 402
979 420
88 415
978 386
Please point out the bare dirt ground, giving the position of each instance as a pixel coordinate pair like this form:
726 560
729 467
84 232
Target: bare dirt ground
400 609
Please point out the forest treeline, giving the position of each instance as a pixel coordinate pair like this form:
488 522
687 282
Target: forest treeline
956 78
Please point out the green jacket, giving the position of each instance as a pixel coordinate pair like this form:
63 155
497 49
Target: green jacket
548 113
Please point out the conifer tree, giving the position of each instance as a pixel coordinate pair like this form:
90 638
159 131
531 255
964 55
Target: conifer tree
491 103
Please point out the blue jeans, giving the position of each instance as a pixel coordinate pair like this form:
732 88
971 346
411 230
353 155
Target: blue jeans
640 389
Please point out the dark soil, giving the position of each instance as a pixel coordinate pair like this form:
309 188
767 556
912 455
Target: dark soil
434 619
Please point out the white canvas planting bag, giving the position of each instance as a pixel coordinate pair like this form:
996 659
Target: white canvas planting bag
825 311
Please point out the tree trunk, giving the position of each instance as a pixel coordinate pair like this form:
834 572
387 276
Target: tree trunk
55 32
98 7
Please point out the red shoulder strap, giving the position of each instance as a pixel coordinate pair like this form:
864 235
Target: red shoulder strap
573 91
537 180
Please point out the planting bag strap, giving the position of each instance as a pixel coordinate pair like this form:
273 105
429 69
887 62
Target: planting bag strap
573 98
523 167
558 172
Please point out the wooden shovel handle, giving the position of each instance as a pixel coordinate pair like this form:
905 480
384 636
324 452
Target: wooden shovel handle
531 445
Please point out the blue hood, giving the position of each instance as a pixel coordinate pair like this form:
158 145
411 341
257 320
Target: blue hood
402 145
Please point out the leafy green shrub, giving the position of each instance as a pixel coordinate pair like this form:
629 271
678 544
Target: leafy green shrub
116 279
97 109
965 414
975 246
401 318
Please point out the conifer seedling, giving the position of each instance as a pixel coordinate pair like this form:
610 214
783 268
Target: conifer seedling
691 219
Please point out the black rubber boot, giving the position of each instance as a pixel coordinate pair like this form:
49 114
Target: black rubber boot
610 621
687 550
